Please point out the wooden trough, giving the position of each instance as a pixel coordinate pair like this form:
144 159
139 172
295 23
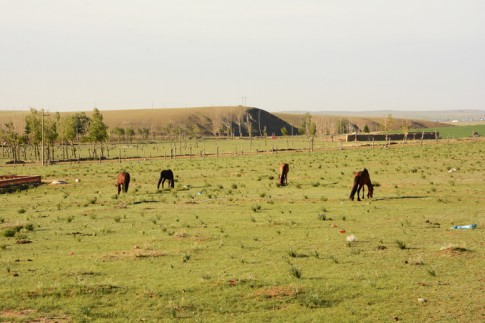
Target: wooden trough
18 180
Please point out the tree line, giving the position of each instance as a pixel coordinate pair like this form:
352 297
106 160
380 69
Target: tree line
43 131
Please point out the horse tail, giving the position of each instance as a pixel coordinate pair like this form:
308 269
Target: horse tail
126 183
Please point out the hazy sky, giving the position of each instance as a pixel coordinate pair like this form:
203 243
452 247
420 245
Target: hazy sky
277 55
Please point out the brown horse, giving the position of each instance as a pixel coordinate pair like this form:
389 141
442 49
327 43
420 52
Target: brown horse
283 178
360 179
123 181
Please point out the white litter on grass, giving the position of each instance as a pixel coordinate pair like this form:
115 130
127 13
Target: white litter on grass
452 170
351 238
56 182
77 180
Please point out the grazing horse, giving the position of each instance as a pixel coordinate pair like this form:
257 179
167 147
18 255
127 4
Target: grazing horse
360 179
123 180
166 174
283 178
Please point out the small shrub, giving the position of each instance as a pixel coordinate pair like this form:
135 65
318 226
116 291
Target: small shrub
9 233
20 211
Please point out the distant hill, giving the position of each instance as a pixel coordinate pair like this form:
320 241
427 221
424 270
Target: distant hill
221 120
236 120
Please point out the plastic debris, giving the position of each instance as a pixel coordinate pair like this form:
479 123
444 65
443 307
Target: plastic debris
351 238
468 226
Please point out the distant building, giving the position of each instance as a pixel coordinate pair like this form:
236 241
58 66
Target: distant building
395 136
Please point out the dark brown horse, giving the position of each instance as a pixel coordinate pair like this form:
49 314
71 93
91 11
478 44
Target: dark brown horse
166 174
122 182
283 178
360 179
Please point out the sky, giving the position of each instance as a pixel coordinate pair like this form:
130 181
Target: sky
277 55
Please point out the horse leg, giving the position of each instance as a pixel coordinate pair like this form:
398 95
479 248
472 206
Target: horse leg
363 191
358 192
163 181
119 188
352 193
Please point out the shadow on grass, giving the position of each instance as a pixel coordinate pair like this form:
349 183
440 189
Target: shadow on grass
145 201
400 198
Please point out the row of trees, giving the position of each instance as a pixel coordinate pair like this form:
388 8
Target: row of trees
311 127
43 131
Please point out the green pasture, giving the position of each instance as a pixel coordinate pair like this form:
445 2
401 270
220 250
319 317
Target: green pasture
462 131
228 244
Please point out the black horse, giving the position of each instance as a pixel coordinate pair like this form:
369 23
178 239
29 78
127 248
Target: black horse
166 174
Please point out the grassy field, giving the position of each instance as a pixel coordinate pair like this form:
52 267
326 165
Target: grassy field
462 131
228 244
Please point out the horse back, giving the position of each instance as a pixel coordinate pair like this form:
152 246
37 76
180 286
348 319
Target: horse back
167 174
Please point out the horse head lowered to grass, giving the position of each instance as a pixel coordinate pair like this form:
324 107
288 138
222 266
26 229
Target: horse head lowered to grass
360 179
166 175
122 182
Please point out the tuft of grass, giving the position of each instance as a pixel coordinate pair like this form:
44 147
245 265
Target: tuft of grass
256 208
322 216
186 257
29 227
400 244
431 272
295 272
